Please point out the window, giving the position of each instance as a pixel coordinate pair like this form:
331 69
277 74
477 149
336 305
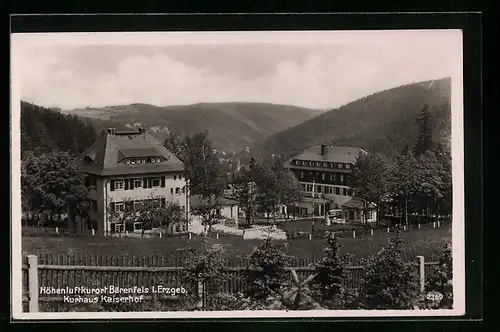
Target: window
325 165
184 190
323 176
138 182
153 160
337 191
119 228
344 191
370 214
143 161
318 189
309 187
119 184
301 175
311 163
178 191
137 226
177 228
347 166
127 161
341 178
175 177
119 207
155 182
171 191
332 165
331 176
318 164
180 176
158 159
341 165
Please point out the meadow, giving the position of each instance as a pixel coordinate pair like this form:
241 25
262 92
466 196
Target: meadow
427 241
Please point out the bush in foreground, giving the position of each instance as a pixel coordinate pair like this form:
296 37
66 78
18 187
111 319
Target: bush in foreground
389 282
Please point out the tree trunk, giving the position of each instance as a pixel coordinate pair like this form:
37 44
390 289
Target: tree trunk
249 214
406 209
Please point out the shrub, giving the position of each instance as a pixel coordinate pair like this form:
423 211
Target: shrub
440 283
204 267
328 285
266 272
389 282
296 296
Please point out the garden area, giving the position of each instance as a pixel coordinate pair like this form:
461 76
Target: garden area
426 241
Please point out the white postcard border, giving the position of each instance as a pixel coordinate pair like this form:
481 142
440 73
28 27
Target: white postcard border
142 38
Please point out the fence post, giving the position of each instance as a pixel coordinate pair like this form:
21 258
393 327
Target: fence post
422 272
200 294
310 236
371 231
189 235
404 228
434 224
418 226
217 235
93 231
439 223
354 234
57 230
33 283
387 229
160 235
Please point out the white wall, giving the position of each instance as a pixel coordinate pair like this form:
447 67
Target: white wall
103 195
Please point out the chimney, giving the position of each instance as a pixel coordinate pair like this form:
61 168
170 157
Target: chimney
111 131
323 149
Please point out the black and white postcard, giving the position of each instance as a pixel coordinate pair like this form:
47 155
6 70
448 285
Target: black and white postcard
237 174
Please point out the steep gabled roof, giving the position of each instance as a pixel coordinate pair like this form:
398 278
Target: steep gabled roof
104 156
336 154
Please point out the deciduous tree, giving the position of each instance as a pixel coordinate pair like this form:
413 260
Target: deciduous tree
51 184
369 180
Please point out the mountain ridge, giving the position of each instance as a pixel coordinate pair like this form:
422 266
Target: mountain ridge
381 122
231 125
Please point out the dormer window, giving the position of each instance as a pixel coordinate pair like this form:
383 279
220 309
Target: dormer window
128 161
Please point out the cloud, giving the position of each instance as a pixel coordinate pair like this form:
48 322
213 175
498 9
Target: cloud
317 76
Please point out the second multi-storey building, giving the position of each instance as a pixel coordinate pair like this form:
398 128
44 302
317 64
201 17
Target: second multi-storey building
126 167
323 172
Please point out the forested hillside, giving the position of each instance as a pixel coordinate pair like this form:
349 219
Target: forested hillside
383 122
47 130
231 126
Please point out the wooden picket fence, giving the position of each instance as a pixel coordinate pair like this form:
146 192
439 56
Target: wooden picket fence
45 273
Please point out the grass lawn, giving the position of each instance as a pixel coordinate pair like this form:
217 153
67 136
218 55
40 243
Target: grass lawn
427 242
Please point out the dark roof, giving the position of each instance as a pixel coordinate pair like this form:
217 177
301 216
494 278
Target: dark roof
336 154
109 149
148 152
356 203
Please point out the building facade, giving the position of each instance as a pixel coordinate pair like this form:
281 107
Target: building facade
324 174
227 213
124 168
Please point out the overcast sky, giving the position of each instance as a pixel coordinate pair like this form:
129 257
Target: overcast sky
314 69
